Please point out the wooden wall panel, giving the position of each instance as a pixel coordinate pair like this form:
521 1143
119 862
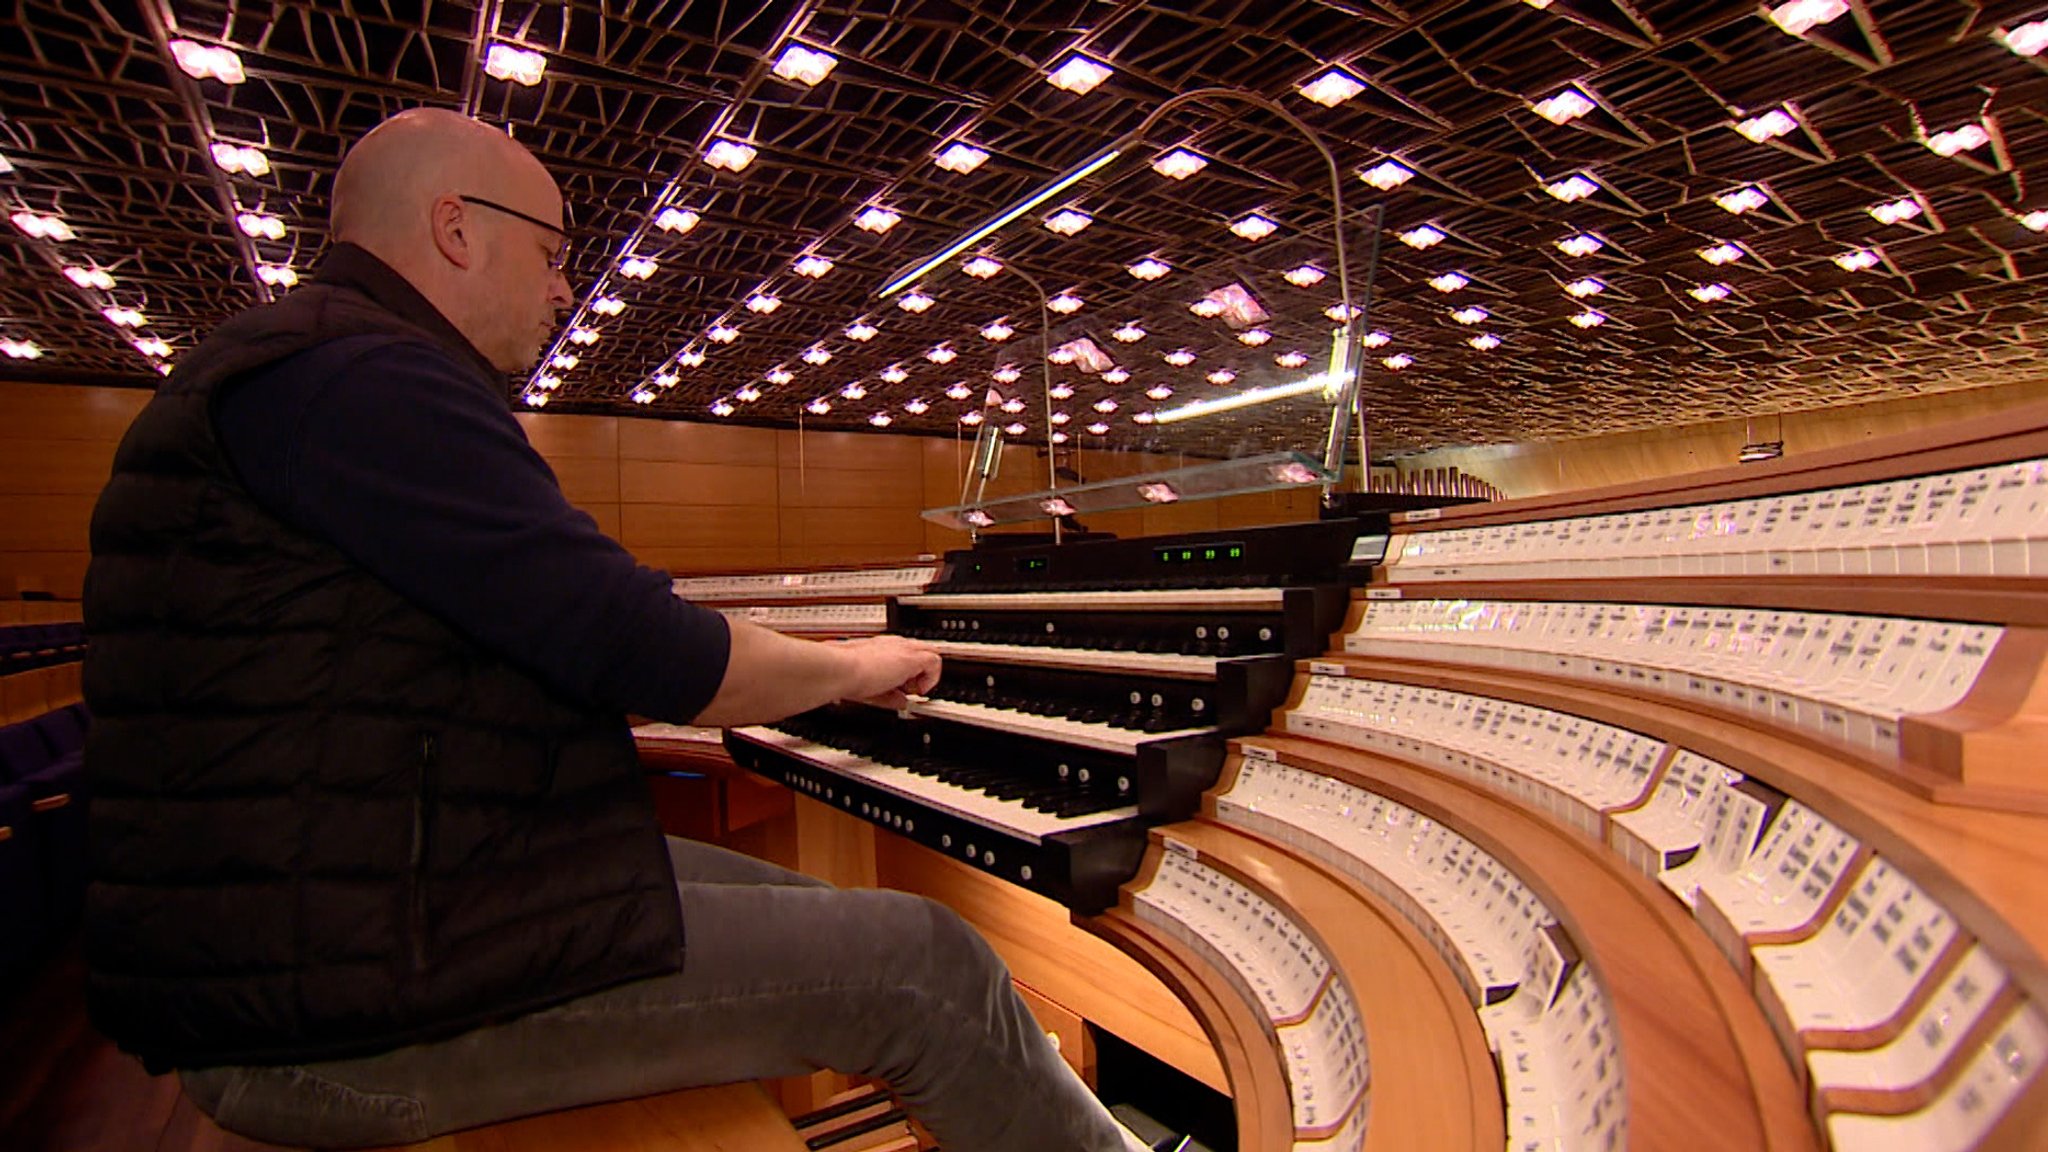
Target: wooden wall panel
556 436
673 482
1539 468
695 526
56 448
77 467
587 480
694 443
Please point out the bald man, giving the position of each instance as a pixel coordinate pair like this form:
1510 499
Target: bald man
374 858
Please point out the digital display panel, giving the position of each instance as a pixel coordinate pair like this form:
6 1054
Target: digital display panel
1191 555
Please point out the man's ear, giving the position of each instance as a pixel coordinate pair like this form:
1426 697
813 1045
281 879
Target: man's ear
449 223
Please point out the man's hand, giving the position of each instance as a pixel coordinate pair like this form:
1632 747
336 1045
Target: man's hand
887 668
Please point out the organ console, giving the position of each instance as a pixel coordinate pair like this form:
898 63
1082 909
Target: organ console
1702 812
1087 694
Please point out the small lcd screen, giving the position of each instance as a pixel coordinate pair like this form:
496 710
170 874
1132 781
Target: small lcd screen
1189 555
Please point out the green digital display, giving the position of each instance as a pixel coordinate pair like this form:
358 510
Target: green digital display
1033 564
1196 554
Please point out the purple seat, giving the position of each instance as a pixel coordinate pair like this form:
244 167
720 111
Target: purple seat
23 751
24 899
61 731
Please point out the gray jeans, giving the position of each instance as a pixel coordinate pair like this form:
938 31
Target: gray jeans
784 976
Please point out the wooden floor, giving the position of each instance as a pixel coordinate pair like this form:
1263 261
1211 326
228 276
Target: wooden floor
65 1088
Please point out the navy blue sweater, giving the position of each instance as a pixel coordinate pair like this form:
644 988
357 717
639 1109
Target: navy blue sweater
392 451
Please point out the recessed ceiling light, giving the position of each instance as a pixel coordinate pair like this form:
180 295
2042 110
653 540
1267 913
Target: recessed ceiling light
804 66
1340 314
720 334
677 220
1398 361
997 331
1066 303
1387 175
729 155
1471 315
1115 376
245 160
1222 376
1960 139
1098 428
813 266
1158 392
1067 222
961 158
721 408
894 374
1588 286
1589 319
1448 282
1179 164
941 355
1254 337
1894 211
1583 244
608 306
914 302
1332 88
212 62
98 278
1769 126
860 332
1254 228
1425 236
876 219
818 407
1574 187
854 391
1485 341
692 357
637 267
1291 359
2025 39
1857 260
762 303
1375 339
958 390
1306 276
916 406
971 418
1708 293
1722 253
1179 358
1742 200
1129 334
1007 374
1564 107
501 62
1079 75
1801 16
1149 269
815 355
563 361
779 376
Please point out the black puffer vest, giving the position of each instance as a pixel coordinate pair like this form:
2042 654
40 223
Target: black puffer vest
324 823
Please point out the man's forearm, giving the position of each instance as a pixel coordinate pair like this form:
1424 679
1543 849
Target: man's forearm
769 676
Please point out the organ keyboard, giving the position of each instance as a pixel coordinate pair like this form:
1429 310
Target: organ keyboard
1087 694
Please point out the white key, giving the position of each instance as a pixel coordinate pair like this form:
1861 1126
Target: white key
1091 659
1102 737
1007 816
1166 600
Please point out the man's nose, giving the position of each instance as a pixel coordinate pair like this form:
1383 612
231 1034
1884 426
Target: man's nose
559 293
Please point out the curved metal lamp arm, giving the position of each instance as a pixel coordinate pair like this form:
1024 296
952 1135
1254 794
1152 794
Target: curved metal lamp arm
1353 318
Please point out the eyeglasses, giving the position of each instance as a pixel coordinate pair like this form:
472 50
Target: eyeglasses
560 259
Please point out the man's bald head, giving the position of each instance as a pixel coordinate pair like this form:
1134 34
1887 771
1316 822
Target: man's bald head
418 193
389 180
